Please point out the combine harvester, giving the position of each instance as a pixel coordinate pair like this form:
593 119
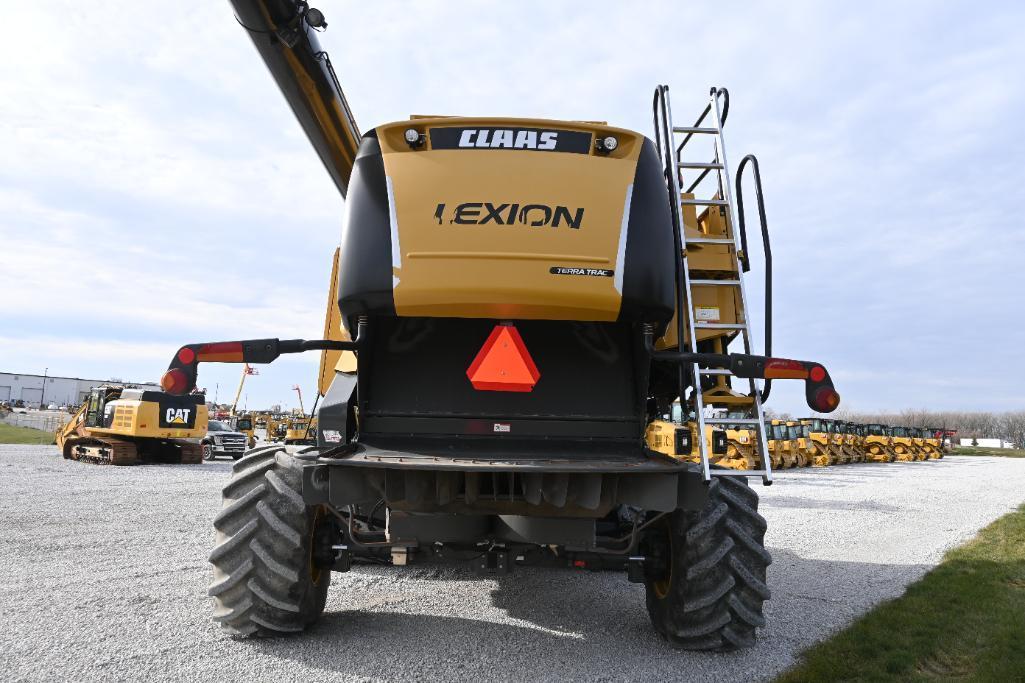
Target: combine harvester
515 307
120 425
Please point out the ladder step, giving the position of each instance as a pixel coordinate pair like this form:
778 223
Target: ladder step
721 326
714 371
694 129
731 421
709 240
738 473
696 165
704 202
716 283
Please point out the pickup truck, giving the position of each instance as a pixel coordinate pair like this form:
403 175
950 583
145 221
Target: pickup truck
221 439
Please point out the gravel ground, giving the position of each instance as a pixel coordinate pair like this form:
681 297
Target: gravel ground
105 574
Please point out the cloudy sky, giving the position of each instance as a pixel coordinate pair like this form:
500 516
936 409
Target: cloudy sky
155 190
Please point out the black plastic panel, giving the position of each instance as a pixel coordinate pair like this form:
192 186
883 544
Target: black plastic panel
412 380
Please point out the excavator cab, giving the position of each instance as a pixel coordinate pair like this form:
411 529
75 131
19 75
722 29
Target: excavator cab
94 410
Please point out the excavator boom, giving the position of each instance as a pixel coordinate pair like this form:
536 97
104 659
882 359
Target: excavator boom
284 33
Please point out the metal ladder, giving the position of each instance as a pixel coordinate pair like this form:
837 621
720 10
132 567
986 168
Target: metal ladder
672 157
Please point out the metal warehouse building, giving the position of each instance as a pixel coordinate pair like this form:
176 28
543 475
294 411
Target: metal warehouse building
60 390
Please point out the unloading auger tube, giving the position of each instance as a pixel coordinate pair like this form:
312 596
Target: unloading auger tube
182 372
285 34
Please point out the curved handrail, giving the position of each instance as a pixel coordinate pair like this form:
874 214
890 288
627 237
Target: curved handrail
750 158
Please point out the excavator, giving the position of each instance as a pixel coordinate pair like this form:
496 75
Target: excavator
122 425
515 305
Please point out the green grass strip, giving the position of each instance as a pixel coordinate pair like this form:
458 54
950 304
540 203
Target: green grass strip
964 620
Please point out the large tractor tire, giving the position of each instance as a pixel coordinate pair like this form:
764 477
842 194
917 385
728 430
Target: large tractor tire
265 580
711 593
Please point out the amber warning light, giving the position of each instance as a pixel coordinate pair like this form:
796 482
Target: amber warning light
503 363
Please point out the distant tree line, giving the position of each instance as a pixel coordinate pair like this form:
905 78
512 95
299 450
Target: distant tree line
1009 426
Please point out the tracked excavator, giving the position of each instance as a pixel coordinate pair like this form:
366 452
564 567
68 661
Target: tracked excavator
514 304
121 425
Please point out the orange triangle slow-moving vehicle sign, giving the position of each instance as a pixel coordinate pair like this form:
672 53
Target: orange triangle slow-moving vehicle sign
503 363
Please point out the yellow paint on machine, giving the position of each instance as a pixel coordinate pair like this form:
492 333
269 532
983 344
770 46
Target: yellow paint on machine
141 419
331 361
492 270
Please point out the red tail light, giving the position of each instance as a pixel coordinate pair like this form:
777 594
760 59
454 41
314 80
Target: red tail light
826 400
503 363
175 382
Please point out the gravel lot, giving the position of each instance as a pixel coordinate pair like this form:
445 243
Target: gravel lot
105 575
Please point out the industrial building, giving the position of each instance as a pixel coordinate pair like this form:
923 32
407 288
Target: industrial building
37 390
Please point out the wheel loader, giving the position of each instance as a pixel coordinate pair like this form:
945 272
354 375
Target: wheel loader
122 425
514 307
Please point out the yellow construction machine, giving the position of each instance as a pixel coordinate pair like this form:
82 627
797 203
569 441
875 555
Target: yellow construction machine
933 445
730 446
783 448
920 441
843 456
798 434
878 444
820 445
902 444
742 444
514 308
246 425
121 425
851 442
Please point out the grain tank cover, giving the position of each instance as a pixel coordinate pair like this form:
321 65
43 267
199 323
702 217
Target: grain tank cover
507 218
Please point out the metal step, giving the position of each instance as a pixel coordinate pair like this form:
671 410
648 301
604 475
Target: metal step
697 165
710 240
716 283
732 421
715 371
692 130
721 326
704 202
764 474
